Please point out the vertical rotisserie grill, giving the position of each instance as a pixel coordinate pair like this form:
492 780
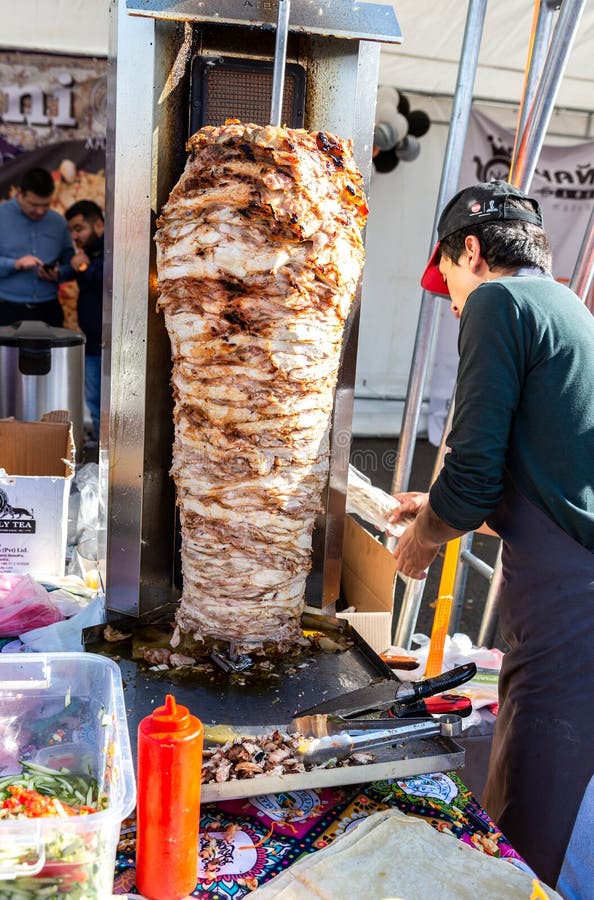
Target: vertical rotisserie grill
175 66
259 257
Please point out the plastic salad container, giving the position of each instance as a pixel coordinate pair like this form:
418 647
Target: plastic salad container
64 712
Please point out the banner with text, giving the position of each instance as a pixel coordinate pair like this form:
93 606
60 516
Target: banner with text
53 115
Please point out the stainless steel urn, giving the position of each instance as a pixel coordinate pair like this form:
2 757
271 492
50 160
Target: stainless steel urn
42 369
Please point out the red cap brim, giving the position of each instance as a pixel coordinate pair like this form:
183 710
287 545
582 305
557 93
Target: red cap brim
432 279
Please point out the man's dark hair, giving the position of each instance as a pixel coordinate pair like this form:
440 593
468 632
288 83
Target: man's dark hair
88 209
504 245
38 181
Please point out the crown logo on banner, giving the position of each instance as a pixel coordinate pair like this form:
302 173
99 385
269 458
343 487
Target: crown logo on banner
497 165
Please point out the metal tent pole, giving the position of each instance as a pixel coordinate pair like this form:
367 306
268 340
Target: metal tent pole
415 587
541 110
584 266
449 183
540 37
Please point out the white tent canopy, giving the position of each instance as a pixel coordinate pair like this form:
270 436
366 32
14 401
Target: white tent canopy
426 61
55 26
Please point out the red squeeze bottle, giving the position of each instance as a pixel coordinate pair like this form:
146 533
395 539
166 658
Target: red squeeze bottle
168 806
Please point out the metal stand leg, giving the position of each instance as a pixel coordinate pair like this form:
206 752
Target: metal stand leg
460 582
491 615
409 613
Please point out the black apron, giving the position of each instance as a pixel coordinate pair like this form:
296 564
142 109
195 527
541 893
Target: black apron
542 756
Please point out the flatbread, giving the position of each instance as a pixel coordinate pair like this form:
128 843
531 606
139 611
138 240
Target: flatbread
392 856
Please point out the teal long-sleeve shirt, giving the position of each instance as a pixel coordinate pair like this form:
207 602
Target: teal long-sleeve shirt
524 407
49 239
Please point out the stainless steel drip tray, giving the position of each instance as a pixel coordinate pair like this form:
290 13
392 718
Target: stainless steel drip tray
291 682
435 754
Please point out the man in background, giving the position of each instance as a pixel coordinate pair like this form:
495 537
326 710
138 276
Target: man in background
85 221
35 246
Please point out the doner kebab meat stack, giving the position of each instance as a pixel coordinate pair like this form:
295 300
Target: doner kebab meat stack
259 256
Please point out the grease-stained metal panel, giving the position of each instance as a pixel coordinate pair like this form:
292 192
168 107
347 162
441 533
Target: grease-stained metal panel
127 251
340 18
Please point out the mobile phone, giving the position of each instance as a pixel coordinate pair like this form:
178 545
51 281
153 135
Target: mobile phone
49 267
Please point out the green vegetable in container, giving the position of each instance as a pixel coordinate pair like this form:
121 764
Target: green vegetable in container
72 868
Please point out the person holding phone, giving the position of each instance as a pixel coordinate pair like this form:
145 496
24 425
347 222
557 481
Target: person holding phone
85 221
35 244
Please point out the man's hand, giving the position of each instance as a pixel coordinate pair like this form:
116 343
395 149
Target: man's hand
27 262
418 546
48 274
410 504
412 555
80 261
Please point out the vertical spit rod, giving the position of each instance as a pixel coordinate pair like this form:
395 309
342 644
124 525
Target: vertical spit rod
280 59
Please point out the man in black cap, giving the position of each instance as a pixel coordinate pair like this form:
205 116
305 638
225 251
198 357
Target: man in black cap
521 458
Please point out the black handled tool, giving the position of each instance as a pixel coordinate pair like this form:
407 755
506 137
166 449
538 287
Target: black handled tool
382 695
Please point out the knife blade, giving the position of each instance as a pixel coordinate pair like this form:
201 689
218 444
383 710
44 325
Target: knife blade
382 695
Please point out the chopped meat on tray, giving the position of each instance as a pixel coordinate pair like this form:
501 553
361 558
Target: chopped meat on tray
272 754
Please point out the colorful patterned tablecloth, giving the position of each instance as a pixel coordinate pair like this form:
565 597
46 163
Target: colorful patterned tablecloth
247 842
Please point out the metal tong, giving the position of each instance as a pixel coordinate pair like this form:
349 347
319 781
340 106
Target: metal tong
340 738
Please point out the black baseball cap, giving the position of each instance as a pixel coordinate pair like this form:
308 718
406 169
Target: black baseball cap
484 202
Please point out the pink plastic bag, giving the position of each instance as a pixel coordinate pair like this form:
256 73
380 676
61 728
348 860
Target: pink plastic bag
7 583
26 605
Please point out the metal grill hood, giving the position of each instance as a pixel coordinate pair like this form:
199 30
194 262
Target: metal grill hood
340 18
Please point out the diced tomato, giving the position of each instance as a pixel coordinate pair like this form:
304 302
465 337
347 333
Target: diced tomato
34 805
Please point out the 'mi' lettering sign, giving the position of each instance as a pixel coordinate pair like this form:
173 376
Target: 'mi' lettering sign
34 112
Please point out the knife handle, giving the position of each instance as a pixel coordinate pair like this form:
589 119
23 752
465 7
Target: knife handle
450 679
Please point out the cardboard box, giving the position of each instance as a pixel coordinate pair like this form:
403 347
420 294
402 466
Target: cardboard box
36 468
368 583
